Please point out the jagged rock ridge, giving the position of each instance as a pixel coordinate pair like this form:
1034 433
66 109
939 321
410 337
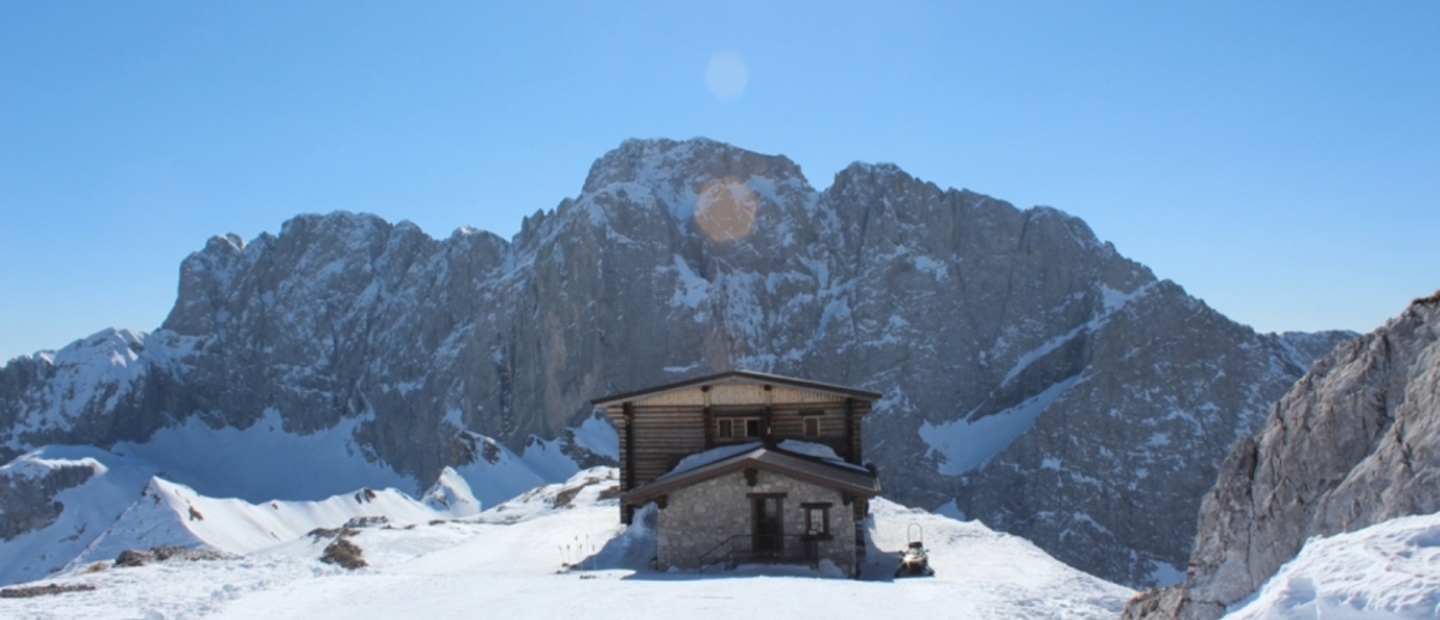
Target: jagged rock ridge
1354 443
1120 392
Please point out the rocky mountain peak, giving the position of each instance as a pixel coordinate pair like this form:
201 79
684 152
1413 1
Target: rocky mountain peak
666 162
1033 377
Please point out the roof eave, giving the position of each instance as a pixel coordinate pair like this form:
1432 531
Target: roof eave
759 377
739 462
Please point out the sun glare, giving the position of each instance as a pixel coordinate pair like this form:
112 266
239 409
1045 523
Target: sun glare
725 210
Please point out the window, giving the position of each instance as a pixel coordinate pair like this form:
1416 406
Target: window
737 428
812 426
817 519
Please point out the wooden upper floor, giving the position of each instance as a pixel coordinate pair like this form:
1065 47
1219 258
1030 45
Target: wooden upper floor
660 426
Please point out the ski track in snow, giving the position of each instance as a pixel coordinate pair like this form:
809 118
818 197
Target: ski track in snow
508 561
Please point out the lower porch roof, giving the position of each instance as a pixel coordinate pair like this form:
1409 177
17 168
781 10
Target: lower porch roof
824 472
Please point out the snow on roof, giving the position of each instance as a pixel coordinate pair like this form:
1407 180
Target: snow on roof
819 451
701 459
792 446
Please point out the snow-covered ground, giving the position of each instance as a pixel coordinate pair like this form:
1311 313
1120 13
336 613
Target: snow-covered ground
511 561
1388 571
129 501
258 466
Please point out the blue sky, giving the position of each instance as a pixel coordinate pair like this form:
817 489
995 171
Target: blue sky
1280 160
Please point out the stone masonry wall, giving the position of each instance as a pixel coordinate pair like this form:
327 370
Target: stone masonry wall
701 516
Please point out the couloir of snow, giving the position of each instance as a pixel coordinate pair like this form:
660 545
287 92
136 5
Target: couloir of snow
1388 571
511 560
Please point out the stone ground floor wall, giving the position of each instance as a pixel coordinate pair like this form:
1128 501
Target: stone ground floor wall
698 518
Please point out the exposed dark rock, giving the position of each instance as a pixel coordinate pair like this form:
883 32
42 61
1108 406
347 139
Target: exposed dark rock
344 553
27 502
44 590
356 523
130 558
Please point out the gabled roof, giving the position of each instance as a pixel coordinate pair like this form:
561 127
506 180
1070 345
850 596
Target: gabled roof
844 477
740 376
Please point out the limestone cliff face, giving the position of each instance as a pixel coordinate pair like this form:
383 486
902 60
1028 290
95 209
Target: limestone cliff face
1354 443
1115 394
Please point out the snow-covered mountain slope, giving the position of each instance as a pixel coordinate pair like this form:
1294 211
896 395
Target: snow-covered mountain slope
56 501
1034 378
169 514
118 502
87 490
122 503
1388 571
509 561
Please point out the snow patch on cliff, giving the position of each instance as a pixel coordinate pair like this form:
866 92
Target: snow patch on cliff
966 444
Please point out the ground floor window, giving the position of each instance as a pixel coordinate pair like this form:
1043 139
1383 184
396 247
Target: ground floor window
817 519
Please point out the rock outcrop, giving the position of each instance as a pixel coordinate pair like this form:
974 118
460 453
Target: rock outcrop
1354 443
1034 378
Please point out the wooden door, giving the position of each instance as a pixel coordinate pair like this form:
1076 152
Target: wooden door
767 531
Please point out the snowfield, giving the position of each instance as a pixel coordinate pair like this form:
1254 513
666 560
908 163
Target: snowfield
1388 571
558 551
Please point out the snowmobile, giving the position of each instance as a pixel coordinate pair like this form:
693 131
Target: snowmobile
915 562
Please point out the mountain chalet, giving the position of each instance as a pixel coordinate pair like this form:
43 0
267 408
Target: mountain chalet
747 467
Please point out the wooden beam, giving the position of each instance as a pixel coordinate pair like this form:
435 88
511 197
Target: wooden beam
627 463
852 451
708 417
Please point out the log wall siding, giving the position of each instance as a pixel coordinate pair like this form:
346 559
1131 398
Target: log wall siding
781 394
685 398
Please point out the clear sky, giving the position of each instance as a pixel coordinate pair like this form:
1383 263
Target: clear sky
1280 160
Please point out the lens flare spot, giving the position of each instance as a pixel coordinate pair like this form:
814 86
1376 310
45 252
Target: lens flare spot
726 75
725 209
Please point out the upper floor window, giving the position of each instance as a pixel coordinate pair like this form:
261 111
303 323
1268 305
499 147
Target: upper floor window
738 428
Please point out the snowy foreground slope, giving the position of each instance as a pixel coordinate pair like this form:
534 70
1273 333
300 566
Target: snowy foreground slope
511 561
1387 571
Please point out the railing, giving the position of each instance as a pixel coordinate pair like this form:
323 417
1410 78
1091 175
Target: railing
768 548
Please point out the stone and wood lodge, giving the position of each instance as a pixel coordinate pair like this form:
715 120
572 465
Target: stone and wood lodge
747 466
